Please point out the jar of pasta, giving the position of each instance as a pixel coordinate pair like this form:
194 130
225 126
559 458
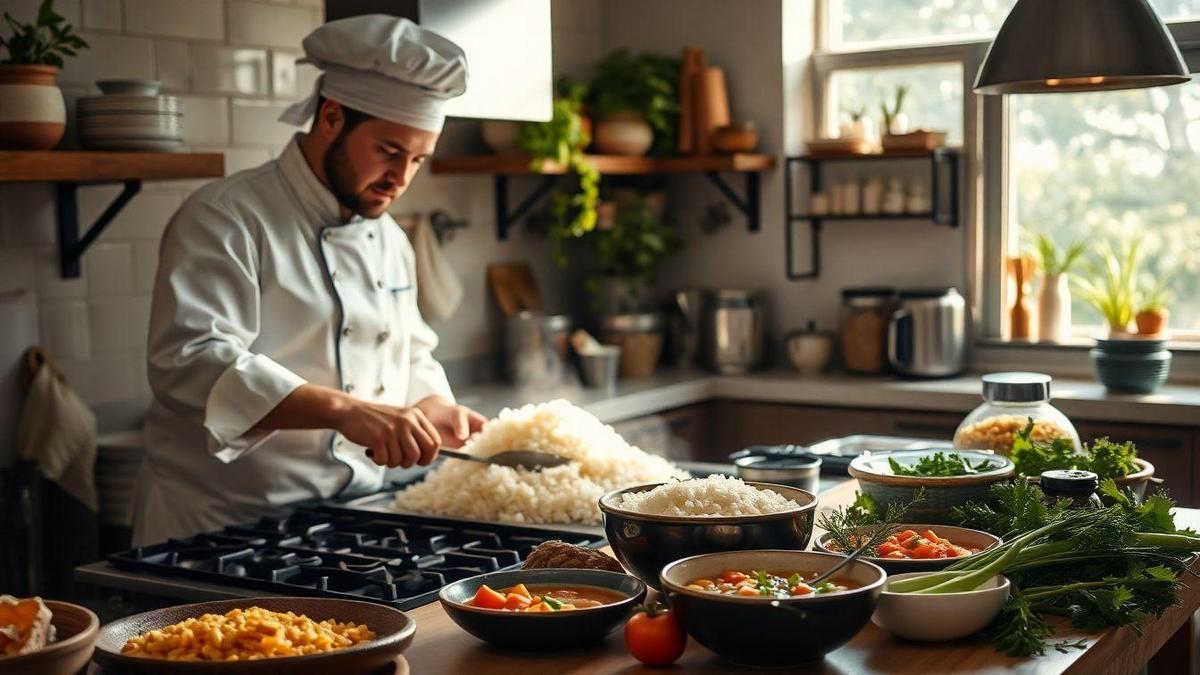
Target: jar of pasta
863 328
1010 401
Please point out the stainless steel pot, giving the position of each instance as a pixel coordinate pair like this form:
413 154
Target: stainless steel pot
927 333
536 348
732 331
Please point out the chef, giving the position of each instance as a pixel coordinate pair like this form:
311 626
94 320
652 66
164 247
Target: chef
286 354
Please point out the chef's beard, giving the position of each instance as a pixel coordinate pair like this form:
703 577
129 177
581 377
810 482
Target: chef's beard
339 169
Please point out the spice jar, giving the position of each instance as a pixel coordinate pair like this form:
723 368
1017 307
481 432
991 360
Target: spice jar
863 328
1011 400
1073 484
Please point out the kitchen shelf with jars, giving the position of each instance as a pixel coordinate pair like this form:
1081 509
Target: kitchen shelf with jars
869 198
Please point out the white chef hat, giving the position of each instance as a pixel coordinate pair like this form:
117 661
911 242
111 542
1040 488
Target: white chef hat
384 66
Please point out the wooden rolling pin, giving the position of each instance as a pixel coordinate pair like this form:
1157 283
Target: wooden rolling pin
712 107
693 63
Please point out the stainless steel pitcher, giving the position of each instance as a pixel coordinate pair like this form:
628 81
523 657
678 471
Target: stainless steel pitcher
732 331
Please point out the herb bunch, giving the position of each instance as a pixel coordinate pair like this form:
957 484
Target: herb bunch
942 464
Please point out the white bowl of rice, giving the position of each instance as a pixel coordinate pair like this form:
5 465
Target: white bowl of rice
650 526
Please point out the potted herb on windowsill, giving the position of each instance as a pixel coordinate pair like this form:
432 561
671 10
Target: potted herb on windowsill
562 140
1153 315
32 113
1054 297
1111 288
635 99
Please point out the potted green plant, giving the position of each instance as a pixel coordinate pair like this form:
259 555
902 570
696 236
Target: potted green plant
562 140
1054 297
32 113
1152 315
895 121
635 99
628 253
1111 290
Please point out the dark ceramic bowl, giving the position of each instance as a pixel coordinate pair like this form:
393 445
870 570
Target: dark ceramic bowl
393 633
1133 373
942 493
957 535
74 638
1131 345
542 631
762 632
645 543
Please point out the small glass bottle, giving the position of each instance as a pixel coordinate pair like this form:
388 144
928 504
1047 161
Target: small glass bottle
1078 486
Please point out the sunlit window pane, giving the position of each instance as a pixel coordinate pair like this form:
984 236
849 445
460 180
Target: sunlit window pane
934 100
1114 166
864 22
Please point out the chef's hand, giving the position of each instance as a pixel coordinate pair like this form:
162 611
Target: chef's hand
455 423
395 436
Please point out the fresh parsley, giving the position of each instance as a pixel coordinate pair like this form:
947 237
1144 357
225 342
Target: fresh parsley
942 464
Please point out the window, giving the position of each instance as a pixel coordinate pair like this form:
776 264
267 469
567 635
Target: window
1111 166
859 24
934 99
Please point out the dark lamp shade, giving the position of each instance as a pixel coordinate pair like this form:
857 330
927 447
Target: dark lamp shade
1080 45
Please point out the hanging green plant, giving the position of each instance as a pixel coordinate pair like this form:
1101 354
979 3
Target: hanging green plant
562 140
646 85
633 246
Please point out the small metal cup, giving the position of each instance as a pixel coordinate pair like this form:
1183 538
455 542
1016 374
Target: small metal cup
599 368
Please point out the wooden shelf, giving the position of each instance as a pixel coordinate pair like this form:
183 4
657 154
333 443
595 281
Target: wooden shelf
502 167
108 167
612 165
928 215
68 170
891 154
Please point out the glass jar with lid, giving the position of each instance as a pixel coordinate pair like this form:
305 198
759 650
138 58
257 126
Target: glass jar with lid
1010 400
863 325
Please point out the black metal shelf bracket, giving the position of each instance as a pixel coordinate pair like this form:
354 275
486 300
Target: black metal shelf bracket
944 165
750 206
71 246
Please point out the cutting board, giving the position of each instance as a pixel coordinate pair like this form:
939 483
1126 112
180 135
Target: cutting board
514 288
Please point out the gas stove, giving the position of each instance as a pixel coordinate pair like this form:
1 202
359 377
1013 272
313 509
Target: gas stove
330 550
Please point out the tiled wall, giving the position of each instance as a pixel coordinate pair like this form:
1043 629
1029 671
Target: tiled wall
233 62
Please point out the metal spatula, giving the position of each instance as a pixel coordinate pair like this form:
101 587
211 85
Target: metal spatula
531 460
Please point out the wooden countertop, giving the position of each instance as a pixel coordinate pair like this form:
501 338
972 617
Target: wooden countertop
442 647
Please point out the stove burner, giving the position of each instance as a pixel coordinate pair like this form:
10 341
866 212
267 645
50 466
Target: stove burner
336 551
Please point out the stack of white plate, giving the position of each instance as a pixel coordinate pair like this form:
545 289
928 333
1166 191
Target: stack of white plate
130 116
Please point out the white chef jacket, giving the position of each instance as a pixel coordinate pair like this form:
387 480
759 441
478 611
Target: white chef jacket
260 288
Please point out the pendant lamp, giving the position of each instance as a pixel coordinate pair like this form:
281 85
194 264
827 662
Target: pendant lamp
1080 45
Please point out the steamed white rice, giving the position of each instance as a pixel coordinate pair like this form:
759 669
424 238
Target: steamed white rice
715 496
563 494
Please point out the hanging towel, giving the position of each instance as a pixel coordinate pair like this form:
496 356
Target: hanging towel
439 291
58 432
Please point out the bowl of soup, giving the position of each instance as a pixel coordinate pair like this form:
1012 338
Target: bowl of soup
542 609
766 608
918 547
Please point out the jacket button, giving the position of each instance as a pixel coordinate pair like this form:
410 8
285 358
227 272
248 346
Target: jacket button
327 235
348 330
332 274
383 336
379 390
349 388
370 235
379 284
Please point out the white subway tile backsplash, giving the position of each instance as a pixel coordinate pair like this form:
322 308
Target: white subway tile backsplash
171 65
119 324
145 266
205 120
202 19
105 379
27 216
257 123
102 14
143 218
48 280
230 70
256 23
63 329
110 269
283 74
16 270
110 57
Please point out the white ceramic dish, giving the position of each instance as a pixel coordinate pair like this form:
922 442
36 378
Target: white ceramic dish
941 617
88 105
130 87
133 145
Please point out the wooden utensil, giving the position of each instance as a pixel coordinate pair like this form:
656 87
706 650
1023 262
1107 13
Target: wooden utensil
712 107
514 288
1022 320
693 62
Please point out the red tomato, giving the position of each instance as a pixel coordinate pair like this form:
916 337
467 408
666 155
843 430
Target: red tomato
654 637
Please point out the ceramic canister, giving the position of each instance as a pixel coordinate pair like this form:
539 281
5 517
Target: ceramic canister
32 113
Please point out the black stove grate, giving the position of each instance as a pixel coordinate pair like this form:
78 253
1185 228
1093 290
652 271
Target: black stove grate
324 550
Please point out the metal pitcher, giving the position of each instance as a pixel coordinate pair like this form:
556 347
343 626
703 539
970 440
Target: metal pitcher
732 331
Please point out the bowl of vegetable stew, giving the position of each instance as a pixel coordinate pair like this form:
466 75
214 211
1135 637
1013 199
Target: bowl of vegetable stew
548 617
948 479
920 547
755 608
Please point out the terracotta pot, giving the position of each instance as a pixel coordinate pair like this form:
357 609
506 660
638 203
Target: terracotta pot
32 113
623 134
1152 321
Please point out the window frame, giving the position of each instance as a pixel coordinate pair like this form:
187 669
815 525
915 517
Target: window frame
985 180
